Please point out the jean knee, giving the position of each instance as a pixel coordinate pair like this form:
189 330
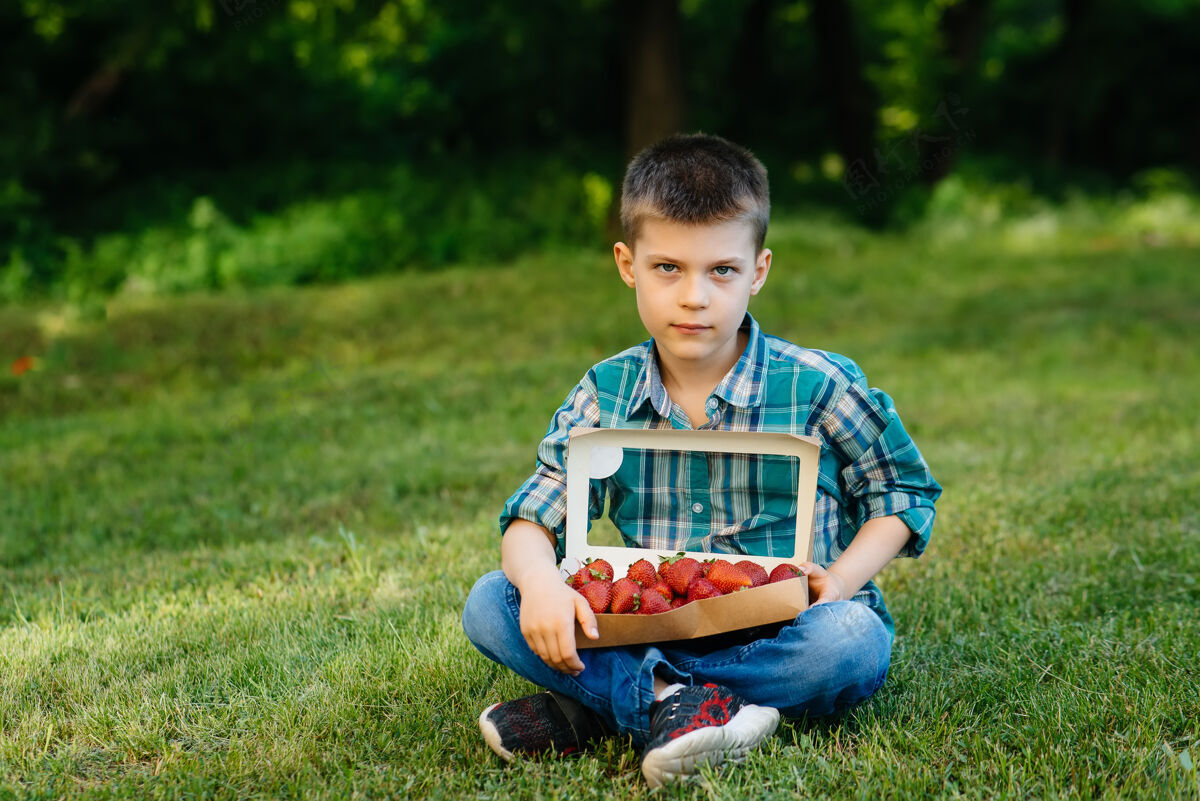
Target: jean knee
485 607
862 619
866 634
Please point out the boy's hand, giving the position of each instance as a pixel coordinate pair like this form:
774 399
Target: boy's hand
549 607
823 585
875 544
548 612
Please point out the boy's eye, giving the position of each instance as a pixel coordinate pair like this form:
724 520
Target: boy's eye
667 268
723 269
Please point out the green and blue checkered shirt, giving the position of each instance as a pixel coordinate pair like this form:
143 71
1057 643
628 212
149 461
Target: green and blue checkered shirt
741 503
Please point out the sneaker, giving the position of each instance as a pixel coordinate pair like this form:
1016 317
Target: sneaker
540 723
702 725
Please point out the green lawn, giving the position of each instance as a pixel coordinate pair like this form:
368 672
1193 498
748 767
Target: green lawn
236 532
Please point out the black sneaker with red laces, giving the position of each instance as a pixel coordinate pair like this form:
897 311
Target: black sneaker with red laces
702 725
546 722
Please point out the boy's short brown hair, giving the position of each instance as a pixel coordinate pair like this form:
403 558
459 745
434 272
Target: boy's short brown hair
695 179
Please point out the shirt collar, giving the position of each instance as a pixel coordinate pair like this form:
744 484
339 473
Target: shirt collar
742 386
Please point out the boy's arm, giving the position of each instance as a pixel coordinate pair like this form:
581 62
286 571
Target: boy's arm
888 482
533 524
877 543
542 499
549 607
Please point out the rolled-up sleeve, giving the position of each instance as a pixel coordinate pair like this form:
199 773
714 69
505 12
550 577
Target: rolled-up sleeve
882 471
542 499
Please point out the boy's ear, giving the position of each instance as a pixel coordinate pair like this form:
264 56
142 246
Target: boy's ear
762 266
624 258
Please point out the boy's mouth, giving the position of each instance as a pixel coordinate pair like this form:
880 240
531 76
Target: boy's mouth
689 328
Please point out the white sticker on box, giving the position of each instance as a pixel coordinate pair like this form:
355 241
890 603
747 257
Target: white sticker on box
606 459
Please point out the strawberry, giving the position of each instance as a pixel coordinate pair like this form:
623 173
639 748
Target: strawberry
580 577
597 570
652 604
678 601
598 594
643 573
626 594
758 576
679 571
726 577
601 566
702 588
784 572
663 589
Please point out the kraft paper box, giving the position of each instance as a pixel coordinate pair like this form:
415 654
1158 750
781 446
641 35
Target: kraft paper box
598 452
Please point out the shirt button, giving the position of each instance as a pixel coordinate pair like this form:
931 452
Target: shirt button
697 508
711 404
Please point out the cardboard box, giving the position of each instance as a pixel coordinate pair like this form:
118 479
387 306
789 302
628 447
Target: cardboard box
597 453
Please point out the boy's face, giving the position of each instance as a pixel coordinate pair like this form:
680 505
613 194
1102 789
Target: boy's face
693 284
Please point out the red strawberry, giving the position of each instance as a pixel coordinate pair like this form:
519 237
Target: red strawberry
663 589
626 593
580 577
679 571
643 573
598 594
678 601
702 588
726 577
652 604
758 576
601 566
784 572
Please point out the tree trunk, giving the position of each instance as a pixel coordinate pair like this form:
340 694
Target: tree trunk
749 72
961 27
1069 63
851 102
654 78
1192 154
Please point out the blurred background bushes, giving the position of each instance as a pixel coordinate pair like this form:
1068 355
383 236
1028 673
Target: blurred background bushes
166 146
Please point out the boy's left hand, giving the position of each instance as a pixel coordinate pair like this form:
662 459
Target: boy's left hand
823 586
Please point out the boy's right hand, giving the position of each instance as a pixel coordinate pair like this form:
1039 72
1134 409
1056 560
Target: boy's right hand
549 609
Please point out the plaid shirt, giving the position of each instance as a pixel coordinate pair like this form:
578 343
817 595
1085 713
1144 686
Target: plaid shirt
735 503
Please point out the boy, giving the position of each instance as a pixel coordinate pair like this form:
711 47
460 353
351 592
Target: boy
694 211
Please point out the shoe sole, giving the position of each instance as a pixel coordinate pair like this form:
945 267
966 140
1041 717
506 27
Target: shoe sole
682 757
491 735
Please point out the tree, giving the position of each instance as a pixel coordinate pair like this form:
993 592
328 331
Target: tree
654 106
960 29
851 101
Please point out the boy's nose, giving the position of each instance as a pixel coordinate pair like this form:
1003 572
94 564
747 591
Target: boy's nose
694 294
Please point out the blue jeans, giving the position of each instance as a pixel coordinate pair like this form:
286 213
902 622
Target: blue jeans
831 657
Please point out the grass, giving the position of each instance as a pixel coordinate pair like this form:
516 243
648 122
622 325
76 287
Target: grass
238 530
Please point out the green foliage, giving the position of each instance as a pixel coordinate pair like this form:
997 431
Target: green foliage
211 143
1163 210
412 219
